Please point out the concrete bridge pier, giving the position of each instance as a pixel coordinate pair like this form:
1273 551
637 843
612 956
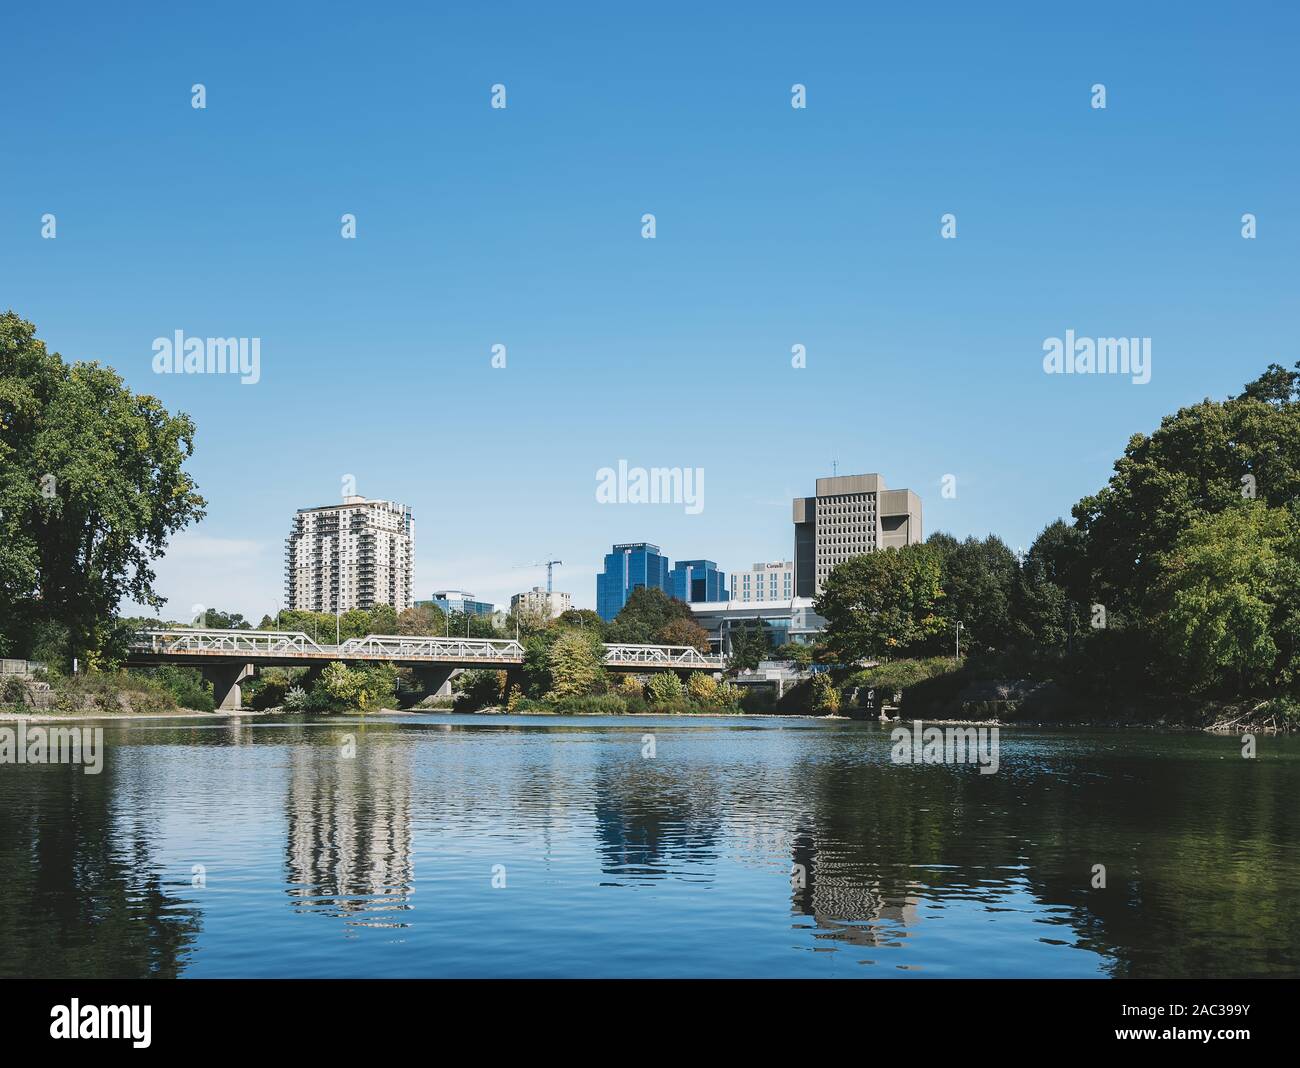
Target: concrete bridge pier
225 679
433 679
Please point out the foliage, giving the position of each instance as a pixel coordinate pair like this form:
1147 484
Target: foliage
341 688
750 643
825 695
91 488
886 603
478 689
576 665
1225 602
646 616
702 688
664 688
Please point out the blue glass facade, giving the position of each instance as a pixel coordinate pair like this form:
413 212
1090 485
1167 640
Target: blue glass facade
698 580
627 567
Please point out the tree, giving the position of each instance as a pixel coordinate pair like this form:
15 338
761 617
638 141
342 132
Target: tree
383 619
576 665
582 617
646 614
422 620
749 643
91 487
1200 461
979 579
825 694
665 688
684 632
1227 601
886 603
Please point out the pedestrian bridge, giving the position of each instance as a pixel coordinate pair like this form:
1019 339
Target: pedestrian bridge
228 656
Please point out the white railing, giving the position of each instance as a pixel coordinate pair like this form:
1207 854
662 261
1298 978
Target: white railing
255 643
405 646
261 642
676 656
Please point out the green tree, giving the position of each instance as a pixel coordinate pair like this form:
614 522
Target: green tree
664 688
645 616
1200 461
979 581
1226 601
383 619
576 665
421 620
748 643
884 604
91 487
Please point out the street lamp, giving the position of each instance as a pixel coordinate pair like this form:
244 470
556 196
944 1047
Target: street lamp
959 641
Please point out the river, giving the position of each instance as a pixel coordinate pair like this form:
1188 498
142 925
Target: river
443 845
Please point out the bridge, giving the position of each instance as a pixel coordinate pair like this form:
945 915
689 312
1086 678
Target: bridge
227 657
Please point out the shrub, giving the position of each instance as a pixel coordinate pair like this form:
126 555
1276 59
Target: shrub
702 687
295 699
664 688
478 689
825 695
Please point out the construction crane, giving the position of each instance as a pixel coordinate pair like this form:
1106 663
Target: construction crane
549 565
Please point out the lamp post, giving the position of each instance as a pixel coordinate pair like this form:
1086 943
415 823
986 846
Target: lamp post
959 641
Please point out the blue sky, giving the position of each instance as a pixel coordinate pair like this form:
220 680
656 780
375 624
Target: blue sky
522 226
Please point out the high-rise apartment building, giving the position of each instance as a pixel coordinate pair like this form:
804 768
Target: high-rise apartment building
764 582
628 566
352 555
698 580
849 516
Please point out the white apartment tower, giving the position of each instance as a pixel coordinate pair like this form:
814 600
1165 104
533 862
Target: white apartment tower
352 555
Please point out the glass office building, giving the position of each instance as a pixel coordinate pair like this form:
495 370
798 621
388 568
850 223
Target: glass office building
698 580
459 601
628 566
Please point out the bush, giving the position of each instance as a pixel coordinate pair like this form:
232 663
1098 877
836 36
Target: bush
478 689
664 688
825 695
295 699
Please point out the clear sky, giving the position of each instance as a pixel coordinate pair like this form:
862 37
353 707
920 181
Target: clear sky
522 226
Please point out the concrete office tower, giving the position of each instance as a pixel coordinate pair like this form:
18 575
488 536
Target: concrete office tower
851 515
540 604
352 555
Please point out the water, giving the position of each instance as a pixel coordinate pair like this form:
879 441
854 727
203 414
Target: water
618 864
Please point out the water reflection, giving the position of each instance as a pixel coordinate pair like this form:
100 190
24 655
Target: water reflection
81 894
348 848
742 848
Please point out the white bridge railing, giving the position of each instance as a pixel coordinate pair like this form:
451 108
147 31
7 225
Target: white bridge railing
266 643
402 646
257 642
677 656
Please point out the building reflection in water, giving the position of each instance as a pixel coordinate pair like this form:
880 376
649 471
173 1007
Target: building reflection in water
844 901
651 823
349 832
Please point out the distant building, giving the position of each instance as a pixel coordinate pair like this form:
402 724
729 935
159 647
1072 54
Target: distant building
449 601
786 621
764 582
628 566
850 515
538 602
352 555
698 580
